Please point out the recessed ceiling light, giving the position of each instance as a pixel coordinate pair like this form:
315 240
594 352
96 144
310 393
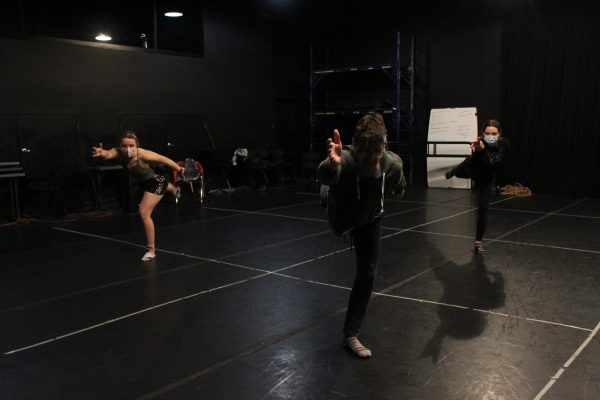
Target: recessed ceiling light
103 38
173 14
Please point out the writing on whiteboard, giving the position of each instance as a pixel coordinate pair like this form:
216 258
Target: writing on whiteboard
452 124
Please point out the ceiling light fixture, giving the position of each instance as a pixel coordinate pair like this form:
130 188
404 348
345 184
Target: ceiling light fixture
173 14
103 38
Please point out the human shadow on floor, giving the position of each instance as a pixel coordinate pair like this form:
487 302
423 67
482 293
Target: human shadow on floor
468 289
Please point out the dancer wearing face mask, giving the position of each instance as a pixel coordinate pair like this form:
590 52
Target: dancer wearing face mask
359 176
137 160
487 155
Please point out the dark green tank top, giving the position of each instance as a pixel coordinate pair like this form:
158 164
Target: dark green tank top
141 172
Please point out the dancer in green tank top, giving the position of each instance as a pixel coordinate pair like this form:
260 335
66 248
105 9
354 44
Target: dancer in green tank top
136 160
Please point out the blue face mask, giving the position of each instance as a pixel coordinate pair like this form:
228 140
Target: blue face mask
491 140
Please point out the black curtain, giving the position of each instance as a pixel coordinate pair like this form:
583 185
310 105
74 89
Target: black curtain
551 95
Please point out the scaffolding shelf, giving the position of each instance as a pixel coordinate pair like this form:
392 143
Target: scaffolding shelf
356 112
327 99
354 69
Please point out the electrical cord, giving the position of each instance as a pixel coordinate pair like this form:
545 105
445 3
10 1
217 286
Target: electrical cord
27 219
516 190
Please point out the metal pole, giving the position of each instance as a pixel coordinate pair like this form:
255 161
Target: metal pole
155 27
310 99
412 85
398 83
412 104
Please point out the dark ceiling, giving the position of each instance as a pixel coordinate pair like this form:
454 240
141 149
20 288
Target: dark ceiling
127 22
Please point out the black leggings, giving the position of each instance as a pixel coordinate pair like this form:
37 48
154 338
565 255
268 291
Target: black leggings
484 194
484 184
367 243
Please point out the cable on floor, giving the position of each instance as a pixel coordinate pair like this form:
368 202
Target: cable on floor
516 190
27 219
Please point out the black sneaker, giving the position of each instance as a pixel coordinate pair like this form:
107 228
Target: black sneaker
449 174
478 249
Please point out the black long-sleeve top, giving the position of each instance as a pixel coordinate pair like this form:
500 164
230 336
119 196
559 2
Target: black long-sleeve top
489 160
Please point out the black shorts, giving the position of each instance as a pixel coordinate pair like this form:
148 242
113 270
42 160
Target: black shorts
156 185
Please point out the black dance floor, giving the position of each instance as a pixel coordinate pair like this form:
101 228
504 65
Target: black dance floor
247 296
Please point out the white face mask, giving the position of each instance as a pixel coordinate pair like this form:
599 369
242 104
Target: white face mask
130 152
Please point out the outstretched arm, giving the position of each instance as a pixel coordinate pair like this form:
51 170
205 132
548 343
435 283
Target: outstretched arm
106 154
334 150
329 169
477 145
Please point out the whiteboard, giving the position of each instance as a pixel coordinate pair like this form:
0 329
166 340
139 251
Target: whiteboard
450 125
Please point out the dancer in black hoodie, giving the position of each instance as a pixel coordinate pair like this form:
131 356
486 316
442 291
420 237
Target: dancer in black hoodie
487 155
358 177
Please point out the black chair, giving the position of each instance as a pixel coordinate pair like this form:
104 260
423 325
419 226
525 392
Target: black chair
258 164
284 168
12 172
48 194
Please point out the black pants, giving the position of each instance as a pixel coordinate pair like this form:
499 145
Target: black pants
367 243
484 184
484 194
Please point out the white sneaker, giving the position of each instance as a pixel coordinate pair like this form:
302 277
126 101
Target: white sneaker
149 256
177 194
357 347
